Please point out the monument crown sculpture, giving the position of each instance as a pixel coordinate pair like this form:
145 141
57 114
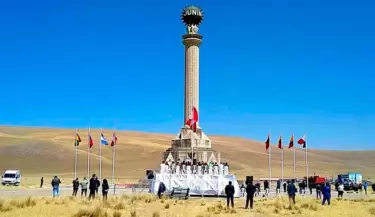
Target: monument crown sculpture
192 17
190 145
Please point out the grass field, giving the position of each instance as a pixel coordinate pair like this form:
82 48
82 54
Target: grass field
149 206
47 152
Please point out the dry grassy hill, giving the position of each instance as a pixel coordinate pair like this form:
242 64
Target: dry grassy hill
47 151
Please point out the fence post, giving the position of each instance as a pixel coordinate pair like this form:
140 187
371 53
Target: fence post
114 189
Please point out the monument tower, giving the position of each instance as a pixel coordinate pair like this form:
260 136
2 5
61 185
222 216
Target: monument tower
188 144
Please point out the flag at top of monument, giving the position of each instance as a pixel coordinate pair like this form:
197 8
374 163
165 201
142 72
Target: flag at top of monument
114 139
103 140
192 122
302 141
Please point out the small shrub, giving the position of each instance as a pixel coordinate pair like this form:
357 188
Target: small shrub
133 213
232 211
119 206
117 214
166 206
155 214
372 210
98 211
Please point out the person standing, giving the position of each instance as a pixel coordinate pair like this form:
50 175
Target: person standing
266 186
278 186
291 188
340 190
284 186
318 191
97 185
243 190
84 184
326 194
105 189
55 186
75 187
365 185
92 187
229 191
250 191
41 182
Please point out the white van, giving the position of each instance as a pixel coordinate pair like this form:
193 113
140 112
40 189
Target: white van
11 177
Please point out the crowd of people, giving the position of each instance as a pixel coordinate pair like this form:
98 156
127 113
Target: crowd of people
92 185
189 167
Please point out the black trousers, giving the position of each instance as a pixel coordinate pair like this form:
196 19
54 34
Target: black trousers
84 192
230 199
75 190
92 194
105 195
341 193
251 200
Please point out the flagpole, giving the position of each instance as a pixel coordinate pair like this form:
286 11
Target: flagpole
113 157
307 165
269 160
100 155
282 161
76 154
294 158
88 154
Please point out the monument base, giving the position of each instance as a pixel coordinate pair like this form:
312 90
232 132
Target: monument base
188 145
199 185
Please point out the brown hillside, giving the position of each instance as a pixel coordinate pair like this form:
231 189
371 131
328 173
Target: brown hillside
47 151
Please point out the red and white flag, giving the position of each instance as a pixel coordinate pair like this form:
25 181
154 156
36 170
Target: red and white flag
302 141
192 122
114 139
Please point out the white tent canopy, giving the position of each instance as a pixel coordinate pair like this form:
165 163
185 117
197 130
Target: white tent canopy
198 184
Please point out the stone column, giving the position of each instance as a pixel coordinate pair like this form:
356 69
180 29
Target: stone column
192 43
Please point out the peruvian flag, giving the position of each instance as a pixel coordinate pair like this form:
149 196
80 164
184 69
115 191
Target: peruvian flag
302 141
192 122
114 139
91 142
267 142
280 143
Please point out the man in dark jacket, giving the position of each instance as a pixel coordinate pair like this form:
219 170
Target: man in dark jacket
55 186
250 191
92 187
229 191
326 194
291 188
75 187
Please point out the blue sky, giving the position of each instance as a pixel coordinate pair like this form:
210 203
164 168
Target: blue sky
288 66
